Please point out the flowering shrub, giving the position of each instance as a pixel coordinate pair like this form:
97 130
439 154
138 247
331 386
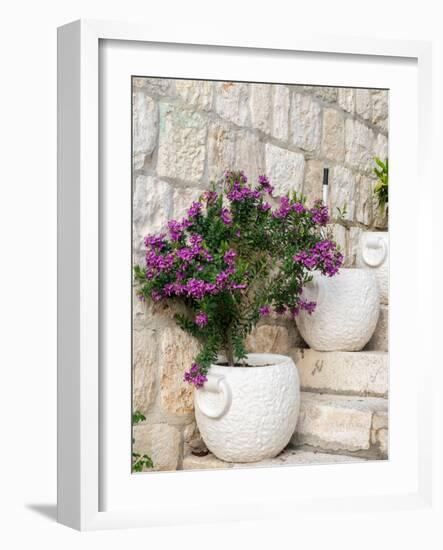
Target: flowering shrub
234 259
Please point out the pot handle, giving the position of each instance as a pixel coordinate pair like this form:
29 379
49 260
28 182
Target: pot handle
374 243
215 384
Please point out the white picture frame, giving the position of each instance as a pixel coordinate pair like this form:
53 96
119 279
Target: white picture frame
80 413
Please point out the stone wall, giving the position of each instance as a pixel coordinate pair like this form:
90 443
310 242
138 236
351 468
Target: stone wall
186 133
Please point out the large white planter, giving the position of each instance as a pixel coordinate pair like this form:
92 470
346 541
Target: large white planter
246 414
373 254
346 314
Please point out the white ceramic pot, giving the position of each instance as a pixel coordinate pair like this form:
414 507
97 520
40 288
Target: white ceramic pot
246 414
373 254
346 314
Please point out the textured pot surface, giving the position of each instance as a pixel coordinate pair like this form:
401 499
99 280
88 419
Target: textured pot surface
346 314
373 254
246 414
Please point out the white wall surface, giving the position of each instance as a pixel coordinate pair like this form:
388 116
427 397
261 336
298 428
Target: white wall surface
28 262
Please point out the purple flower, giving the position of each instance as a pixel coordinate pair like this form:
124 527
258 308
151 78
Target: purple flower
264 310
265 206
195 209
265 184
298 207
210 196
284 209
195 376
201 319
319 213
324 256
230 256
156 295
155 242
226 216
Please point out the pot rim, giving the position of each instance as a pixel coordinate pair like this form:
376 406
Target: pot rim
275 360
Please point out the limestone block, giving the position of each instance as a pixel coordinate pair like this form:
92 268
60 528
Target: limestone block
338 233
285 169
249 155
313 182
145 128
208 462
358 145
268 339
346 99
294 457
305 122
154 86
182 144
364 200
337 423
145 367
280 112
231 102
159 441
353 246
359 373
380 433
380 340
152 208
342 191
380 109
363 103
260 106
381 147
195 92
183 198
333 137
221 149
325 93
177 353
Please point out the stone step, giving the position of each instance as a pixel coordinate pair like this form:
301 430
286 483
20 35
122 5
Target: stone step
379 340
288 457
363 373
343 424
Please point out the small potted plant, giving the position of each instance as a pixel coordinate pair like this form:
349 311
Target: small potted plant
231 261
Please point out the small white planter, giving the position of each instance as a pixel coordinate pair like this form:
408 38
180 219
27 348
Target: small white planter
373 254
346 314
246 414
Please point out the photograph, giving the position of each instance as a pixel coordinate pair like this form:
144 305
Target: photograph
260 260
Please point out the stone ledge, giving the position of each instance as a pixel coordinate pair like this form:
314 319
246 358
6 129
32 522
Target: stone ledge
289 457
362 373
342 424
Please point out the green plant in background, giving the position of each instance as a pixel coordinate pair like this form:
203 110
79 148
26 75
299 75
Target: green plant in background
381 188
140 461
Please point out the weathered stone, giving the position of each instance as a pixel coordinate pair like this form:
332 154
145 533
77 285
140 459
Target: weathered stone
363 103
346 99
335 422
268 339
381 147
192 441
221 149
342 192
145 366
195 92
294 457
177 352
364 200
183 198
325 93
285 169
249 155
358 145
305 122
380 109
260 106
152 208
280 112
154 86
182 144
338 233
159 441
145 128
313 183
231 102
356 373
380 433
353 243
208 462
379 340
333 137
